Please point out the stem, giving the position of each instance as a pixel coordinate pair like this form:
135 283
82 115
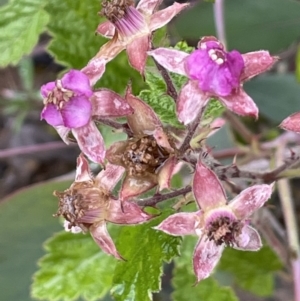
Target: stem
219 21
171 91
291 224
157 198
117 125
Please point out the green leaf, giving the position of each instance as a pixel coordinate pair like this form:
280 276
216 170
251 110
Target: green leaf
145 250
184 278
252 271
21 23
276 95
250 24
73 266
26 222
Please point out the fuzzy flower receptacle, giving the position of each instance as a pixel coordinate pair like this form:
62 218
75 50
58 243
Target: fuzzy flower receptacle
70 104
217 223
148 156
89 204
131 27
214 72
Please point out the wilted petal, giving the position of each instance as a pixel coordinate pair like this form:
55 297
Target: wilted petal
190 102
248 240
110 176
78 82
90 142
110 49
103 239
45 89
133 186
148 6
52 115
171 59
127 213
144 118
183 223
240 103
164 16
162 139
291 123
63 132
94 69
137 52
82 169
166 172
206 256
257 62
116 151
207 188
107 103
250 200
77 112
106 29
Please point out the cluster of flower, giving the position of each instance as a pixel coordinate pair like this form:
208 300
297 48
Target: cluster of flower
151 154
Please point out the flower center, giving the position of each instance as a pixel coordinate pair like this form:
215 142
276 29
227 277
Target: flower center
115 10
144 155
224 230
59 96
82 204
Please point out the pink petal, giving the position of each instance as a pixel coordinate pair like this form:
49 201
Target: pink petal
257 62
190 102
148 6
94 69
110 176
63 132
83 172
106 29
103 239
207 188
240 103
110 49
47 88
144 118
137 52
166 172
77 112
171 59
107 103
206 256
164 16
250 200
291 123
90 142
52 115
127 213
78 82
178 224
248 240
133 186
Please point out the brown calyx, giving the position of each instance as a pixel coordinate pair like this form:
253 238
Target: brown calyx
81 204
143 156
224 230
115 10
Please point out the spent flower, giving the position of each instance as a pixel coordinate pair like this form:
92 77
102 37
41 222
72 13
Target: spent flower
89 204
70 104
213 73
217 223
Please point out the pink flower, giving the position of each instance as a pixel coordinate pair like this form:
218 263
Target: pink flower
89 204
131 28
148 157
291 123
70 104
217 223
214 73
